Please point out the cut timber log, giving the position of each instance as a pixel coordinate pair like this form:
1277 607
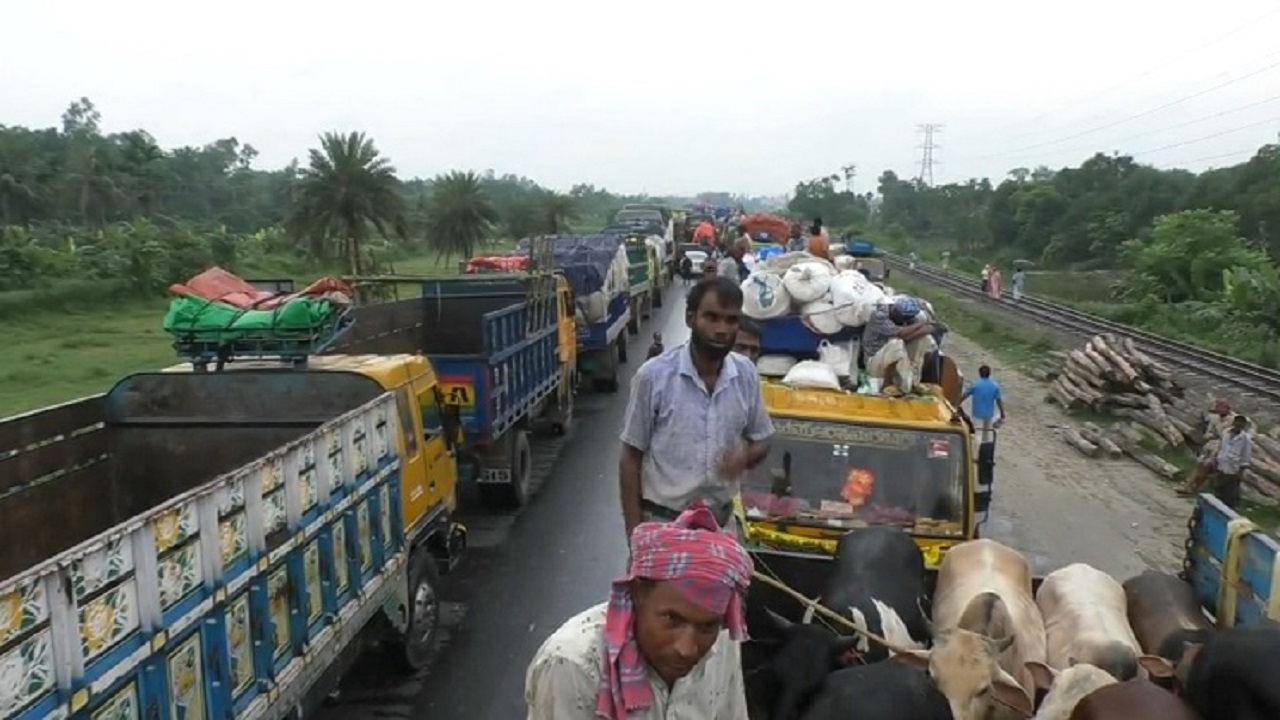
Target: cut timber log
1261 485
1065 397
1121 367
1075 440
1166 432
1153 463
1094 434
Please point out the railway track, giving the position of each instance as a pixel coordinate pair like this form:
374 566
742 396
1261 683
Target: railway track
1255 380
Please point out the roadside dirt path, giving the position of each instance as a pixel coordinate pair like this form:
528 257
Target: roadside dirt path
1059 507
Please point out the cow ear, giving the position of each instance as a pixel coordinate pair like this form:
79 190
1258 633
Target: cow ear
999 645
915 658
1156 666
778 621
1042 674
1009 693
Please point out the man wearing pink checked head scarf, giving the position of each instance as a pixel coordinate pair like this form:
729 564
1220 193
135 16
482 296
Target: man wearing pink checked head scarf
665 645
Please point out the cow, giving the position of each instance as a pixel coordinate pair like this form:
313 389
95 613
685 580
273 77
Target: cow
1085 621
1165 615
986 628
877 581
1135 699
880 691
1066 687
1233 674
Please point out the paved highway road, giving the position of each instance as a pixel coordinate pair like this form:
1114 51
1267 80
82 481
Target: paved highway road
525 574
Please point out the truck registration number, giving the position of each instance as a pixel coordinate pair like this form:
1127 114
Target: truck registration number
494 475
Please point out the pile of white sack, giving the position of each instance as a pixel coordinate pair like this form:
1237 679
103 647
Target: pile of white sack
827 296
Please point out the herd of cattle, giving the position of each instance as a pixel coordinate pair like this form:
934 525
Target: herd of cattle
992 646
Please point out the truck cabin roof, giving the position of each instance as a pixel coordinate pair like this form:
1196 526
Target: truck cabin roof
928 411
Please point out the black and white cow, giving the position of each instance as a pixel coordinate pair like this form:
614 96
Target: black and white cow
877 581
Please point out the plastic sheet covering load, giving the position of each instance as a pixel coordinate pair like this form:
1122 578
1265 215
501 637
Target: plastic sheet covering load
217 308
498 263
227 288
775 227
595 267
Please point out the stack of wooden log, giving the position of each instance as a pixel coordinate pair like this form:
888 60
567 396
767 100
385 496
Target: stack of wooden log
1111 376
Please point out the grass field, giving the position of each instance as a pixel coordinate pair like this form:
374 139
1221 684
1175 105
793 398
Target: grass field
61 347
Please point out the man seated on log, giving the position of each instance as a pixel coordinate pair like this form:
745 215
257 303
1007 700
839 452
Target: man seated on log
658 647
1222 473
1214 423
895 342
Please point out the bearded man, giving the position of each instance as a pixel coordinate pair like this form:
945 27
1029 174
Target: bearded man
660 642
696 420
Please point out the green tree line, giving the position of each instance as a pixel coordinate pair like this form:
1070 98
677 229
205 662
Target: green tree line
81 204
1192 255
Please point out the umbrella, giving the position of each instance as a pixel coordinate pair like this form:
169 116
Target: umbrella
1023 264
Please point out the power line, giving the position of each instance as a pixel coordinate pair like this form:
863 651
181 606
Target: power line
1181 55
1232 131
1145 113
1141 135
927 160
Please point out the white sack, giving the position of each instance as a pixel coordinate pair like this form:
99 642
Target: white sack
820 316
813 374
807 281
764 296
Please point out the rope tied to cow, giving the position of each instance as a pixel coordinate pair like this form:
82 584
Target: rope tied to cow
825 612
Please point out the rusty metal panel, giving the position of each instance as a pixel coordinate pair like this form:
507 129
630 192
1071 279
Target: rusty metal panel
44 519
40 426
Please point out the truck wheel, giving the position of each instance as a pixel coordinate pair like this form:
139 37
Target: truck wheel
414 648
657 296
563 415
516 493
607 380
622 352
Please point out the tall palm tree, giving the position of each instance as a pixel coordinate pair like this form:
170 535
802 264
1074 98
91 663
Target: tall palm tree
459 215
348 189
559 210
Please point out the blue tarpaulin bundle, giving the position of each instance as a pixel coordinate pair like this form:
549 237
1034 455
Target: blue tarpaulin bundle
584 259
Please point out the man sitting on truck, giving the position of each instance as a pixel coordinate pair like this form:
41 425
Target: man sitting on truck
622 659
895 341
696 419
747 343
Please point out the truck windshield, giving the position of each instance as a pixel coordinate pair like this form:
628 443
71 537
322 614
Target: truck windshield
845 475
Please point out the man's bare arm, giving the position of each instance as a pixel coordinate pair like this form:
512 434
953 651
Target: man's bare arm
629 486
757 452
911 332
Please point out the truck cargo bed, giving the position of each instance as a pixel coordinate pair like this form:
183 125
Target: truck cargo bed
233 595
72 471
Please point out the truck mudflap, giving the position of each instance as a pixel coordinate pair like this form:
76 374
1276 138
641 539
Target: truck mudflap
234 598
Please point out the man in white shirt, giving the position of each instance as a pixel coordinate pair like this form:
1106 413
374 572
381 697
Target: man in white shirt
665 645
1235 451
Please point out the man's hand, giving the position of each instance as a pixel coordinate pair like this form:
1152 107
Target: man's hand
999 422
733 463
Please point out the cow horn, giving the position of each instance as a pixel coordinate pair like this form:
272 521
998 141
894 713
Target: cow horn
780 622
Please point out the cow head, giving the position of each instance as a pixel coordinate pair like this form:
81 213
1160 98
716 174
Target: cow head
1066 687
965 668
1168 673
806 654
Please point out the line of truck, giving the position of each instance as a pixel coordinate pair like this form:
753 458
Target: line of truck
222 538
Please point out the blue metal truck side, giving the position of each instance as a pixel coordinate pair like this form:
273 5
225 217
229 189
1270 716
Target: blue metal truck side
1233 564
602 345
494 342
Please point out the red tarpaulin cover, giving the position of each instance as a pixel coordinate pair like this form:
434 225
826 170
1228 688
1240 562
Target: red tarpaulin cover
222 286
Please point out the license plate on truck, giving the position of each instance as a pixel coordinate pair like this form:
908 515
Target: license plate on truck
494 476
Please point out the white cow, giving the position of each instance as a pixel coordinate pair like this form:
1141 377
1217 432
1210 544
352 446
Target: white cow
1066 687
1085 621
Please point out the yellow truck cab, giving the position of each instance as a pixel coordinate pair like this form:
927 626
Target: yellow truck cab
841 461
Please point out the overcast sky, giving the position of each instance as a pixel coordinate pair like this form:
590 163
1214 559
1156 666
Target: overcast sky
665 97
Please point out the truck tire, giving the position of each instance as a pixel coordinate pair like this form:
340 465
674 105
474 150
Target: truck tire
515 493
657 296
414 648
633 323
622 351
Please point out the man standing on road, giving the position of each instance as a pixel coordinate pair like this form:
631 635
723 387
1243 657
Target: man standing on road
660 642
984 398
747 343
695 420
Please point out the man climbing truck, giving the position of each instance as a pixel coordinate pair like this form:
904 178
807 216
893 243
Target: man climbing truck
220 544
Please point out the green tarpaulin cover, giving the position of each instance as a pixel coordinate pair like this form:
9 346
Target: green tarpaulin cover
197 318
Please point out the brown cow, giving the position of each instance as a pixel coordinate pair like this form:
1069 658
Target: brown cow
1136 699
986 628
1066 687
1165 615
1085 621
